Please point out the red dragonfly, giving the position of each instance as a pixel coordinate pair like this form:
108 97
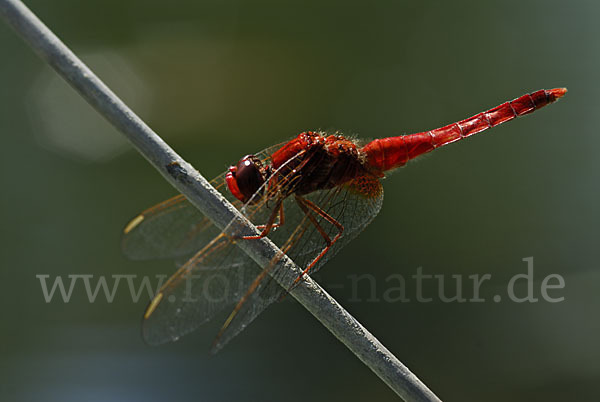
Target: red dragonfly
310 196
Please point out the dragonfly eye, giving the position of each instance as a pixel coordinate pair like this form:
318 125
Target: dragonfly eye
246 178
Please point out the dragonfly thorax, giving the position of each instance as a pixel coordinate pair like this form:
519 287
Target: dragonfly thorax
312 162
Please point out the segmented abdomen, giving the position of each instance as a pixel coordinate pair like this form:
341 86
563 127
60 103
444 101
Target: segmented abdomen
389 153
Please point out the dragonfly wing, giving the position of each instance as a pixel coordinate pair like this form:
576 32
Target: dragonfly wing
353 205
216 277
267 292
171 229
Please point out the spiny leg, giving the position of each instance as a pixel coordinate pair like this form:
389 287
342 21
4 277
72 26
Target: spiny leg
307 206
277 224
278 210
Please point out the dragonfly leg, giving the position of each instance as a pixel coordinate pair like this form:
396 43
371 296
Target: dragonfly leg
307 206
275 224
266 228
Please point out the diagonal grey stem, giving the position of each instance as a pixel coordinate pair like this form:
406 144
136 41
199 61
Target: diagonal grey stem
209 201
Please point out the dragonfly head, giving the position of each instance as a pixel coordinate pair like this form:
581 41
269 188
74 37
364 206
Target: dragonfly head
246 178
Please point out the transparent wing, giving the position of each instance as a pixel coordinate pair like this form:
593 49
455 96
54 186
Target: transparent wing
353 205
203 285
169 230
216 277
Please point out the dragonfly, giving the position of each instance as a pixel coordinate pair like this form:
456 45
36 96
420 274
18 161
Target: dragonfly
310 195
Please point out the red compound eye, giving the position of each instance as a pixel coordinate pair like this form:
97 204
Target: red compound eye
246 178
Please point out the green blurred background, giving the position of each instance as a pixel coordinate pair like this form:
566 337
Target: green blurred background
220 79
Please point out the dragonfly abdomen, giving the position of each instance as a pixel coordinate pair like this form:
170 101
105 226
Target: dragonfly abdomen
392 152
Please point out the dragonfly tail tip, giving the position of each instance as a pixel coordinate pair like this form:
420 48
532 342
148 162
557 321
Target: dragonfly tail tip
558 92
